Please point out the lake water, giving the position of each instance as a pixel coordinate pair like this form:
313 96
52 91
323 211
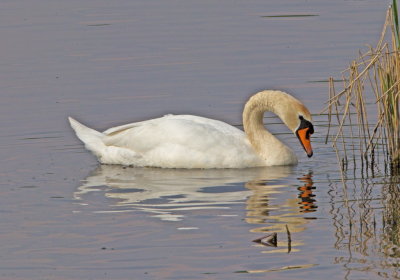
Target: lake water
63 216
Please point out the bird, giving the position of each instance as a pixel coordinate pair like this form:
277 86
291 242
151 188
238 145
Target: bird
188 141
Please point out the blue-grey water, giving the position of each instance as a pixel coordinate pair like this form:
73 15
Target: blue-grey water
63 216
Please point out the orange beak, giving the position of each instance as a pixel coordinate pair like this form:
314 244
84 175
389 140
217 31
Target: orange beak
304 137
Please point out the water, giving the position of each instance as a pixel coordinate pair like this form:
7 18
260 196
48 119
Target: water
109 62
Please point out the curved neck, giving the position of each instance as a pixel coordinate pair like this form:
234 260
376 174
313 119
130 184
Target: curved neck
266 145
253 116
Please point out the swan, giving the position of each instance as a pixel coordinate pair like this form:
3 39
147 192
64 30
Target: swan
186 141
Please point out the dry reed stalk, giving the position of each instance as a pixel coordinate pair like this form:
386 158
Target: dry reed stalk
373 78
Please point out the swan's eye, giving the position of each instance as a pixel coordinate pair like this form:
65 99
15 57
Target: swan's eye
311 128
306 124
308 132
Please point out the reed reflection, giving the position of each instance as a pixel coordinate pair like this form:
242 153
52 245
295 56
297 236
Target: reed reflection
367 226
391 223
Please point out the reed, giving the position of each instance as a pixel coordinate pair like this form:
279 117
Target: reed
364 116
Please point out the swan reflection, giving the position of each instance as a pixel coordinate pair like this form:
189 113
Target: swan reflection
275 211
307 201
165 193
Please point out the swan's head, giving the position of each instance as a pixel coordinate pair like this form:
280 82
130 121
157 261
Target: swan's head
303 133
291 111
297 118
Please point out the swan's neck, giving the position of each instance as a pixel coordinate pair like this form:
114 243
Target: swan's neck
267 146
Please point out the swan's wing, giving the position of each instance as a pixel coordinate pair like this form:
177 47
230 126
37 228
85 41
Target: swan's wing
189 131
219 125
117 129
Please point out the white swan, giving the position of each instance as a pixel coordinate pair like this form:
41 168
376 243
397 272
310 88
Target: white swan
185 141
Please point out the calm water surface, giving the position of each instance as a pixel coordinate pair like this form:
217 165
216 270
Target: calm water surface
62 216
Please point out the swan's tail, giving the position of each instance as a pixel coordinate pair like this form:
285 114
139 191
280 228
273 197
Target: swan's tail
92 139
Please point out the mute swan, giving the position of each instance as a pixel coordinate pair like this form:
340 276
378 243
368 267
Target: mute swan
185 141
